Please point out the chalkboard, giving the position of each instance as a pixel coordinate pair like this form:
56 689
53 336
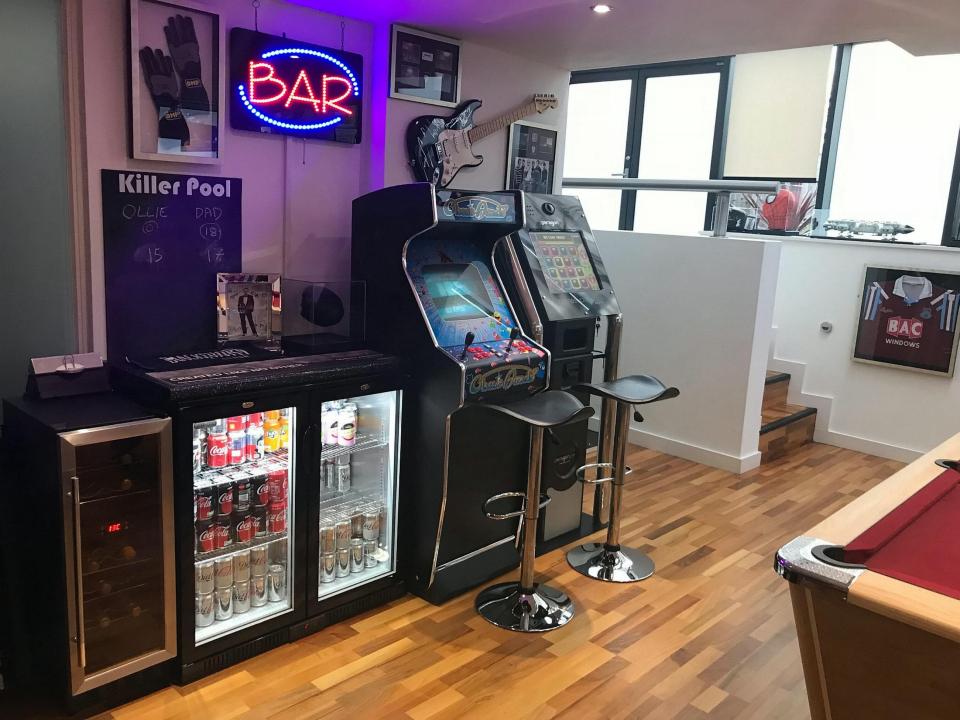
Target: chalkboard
165 238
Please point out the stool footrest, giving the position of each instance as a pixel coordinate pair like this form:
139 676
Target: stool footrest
583 469
544 501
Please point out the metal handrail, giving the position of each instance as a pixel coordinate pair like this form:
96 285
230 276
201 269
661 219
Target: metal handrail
723 188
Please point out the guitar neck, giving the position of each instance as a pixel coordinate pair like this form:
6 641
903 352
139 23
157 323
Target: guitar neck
501 121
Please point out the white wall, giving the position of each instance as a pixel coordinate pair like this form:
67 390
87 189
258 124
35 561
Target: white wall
885 411
698 315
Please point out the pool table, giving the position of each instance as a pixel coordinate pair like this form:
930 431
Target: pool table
876 598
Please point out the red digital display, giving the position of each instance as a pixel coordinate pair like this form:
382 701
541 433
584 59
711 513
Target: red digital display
114 527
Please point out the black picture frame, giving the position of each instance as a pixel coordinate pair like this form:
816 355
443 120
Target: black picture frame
424 67
908 319
531 158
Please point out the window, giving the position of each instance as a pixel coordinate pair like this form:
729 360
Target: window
891 144
655 122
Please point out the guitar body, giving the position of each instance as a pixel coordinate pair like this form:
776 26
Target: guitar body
439 146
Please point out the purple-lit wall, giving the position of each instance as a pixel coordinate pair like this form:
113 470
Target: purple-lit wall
296 194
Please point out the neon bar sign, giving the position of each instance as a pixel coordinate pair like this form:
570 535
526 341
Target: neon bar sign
294 88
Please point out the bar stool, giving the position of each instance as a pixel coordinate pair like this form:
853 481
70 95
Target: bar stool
610 561
529 606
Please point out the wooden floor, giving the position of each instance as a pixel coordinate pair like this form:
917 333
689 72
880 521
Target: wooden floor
709 635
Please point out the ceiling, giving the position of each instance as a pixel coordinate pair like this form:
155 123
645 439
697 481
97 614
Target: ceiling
568 34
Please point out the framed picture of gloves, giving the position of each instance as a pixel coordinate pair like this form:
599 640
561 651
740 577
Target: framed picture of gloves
176 89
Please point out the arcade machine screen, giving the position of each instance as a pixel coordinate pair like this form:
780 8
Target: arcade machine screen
565 262
458 291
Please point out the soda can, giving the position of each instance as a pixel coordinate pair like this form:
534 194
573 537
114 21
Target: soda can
356 523
260 489
328 422
259 518
241 566
370 553
330 474
204 497
223 527
238 441
242 526
277 518
242 493
241 596
204 572
223 572
254 419
197 457
235 423
328 567
253 447
218 449
356 555
206 536
371 524
344 534
328 538
284 431
347 425
225 496
271 435
278 486
343 562
224 603
258 590
258 560
203 615
278 551
201 435
276 583
344 482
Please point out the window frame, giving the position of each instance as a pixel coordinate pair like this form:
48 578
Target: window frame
638 76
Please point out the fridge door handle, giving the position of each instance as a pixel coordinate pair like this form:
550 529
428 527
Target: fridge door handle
80 638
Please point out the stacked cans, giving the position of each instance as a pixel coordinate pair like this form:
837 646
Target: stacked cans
350 540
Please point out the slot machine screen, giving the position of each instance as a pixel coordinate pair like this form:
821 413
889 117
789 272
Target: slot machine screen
458 291
565 262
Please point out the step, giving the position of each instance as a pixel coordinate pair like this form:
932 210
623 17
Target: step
785 428
775 389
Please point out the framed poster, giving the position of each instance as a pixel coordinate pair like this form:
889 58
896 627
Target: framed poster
531 157
176 91
908 319
248 310
424 67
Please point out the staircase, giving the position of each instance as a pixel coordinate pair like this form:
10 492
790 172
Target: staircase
783 427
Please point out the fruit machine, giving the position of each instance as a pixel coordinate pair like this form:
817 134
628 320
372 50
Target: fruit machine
435 298
553 271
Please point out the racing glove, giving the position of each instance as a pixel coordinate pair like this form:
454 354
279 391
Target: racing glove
162 84
185 51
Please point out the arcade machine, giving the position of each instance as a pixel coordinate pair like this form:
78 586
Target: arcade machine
435 298
556 277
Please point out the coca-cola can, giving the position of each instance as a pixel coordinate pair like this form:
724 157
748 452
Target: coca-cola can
238 441
258 590
223 527
343 531
235 423
260 489
224 603
328 538
206 536
204 572
356 555
241 596
277 480
204 497
218 449
242 526
225 496
259 518
328 567
370 553
241 566
343 562
242 492
278 551
276 583
344 480
253 443
356 523
223 572
258 560
329 474
277 518
371 524
203 614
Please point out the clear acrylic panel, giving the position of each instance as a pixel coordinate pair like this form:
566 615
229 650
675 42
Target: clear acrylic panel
323 316
243 507
357 488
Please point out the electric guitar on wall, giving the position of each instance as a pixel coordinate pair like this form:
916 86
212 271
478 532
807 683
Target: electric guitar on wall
439 146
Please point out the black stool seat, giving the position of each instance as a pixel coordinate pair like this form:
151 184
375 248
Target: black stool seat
546 409
632 389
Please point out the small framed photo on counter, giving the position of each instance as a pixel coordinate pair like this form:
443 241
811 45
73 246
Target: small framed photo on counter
176 88
249 310
424 67
908 320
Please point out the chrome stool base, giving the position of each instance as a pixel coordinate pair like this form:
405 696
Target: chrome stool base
625 565
507 606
